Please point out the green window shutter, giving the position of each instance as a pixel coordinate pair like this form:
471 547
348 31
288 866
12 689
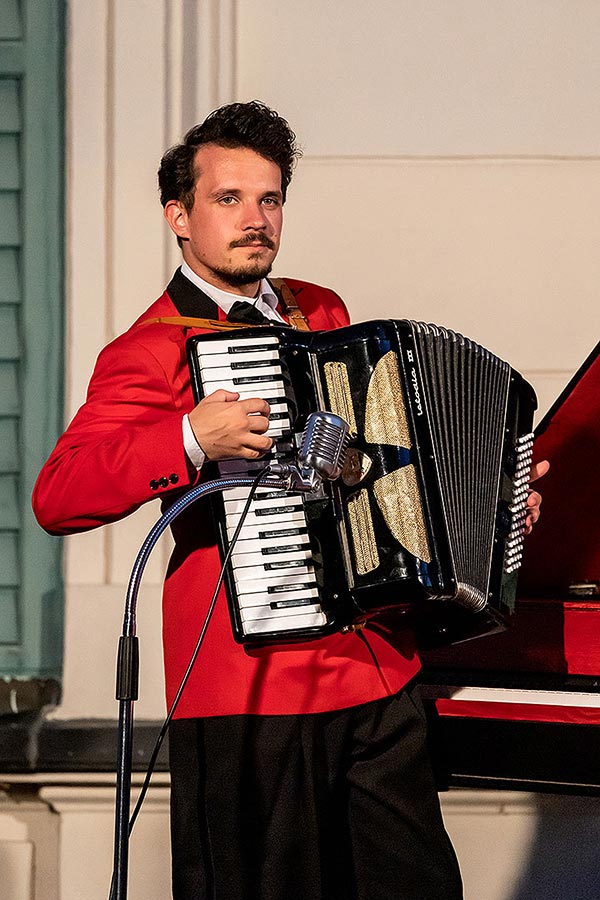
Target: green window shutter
31 302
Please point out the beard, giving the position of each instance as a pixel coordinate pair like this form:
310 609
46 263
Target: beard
253 270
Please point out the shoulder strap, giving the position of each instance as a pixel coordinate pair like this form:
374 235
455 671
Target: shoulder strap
191 322
288 303
290 307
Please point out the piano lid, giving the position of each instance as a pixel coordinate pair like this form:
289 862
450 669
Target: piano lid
564 547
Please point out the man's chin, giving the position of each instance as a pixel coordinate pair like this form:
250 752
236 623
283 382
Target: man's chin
246 275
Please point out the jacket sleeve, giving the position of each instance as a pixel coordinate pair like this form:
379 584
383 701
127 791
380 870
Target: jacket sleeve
123 447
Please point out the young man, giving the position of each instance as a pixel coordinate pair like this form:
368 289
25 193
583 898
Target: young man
298 771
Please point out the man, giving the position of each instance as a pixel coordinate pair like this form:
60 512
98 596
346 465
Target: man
298 771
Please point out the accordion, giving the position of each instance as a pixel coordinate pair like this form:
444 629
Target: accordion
426 521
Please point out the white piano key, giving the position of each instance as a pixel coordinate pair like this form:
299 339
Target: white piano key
258 558
265 612
263 504
281 530
252 529
264 389
259 577
277 583
254 524
256 610
287 623
236 345
271 547
264 598
277 429
256 373
241 493
279 533
266 355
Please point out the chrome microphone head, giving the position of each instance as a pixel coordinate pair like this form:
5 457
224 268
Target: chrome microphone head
324 444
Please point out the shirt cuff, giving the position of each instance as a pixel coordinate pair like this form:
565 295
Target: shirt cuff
194 451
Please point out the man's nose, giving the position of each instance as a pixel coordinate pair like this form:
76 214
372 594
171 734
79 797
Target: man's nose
254 217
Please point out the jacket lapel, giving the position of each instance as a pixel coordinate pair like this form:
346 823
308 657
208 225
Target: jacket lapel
189 300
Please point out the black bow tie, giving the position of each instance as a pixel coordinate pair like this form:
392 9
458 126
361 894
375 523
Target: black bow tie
242 311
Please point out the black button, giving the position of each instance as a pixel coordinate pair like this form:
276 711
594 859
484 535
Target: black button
154 484
173 478
164 482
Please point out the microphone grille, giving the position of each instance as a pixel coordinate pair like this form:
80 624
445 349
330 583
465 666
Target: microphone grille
324 444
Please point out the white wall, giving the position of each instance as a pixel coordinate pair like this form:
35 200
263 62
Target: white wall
451 173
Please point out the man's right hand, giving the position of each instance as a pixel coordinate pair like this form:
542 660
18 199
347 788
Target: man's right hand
226 426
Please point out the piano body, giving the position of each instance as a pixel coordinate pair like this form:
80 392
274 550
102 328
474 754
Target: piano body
521 709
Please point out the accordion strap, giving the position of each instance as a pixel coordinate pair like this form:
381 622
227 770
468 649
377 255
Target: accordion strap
290 307
288 302
192 322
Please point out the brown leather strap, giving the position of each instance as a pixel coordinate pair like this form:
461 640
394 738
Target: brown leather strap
290 307
288 302
190 322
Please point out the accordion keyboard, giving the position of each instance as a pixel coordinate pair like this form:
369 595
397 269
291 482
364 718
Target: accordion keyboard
272 570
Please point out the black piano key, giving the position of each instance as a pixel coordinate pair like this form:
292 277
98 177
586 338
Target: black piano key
294 586
278 510
284 604
256 379
256 364
286 548
285 532
250 348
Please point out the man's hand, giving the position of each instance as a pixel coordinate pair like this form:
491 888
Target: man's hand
534 499
226 426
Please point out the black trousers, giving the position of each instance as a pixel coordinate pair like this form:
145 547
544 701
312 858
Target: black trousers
331 806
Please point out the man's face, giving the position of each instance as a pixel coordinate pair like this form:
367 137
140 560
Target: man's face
232 233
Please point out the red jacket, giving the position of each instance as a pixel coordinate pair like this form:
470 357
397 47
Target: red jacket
123 448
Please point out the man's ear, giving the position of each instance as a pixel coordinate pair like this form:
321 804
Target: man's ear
176 215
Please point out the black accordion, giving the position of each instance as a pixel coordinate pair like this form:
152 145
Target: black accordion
426 522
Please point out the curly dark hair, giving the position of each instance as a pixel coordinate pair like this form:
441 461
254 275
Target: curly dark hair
252 125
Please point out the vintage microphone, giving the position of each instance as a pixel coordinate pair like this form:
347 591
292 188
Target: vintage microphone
321 455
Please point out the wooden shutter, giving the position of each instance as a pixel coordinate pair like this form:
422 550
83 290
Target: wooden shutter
31 301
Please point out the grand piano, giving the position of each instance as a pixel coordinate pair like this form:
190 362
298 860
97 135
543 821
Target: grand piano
520 709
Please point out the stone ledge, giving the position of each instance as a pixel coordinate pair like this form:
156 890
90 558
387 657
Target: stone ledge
31 743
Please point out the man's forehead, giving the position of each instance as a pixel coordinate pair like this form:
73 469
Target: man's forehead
216 163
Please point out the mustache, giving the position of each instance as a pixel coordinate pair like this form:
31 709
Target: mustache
257 238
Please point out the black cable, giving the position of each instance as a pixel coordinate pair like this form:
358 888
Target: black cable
188 672
129 623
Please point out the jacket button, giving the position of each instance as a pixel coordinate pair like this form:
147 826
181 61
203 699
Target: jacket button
174 478
163 482
154 485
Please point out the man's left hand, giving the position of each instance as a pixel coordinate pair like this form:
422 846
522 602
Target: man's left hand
534 499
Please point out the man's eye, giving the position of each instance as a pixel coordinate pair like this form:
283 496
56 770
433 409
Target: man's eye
227 201
271 201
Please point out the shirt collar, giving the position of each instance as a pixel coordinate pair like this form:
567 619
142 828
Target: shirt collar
225 299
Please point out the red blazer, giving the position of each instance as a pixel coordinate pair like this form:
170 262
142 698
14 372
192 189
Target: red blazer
123 448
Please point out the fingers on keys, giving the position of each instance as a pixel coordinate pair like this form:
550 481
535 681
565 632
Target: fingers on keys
257 412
